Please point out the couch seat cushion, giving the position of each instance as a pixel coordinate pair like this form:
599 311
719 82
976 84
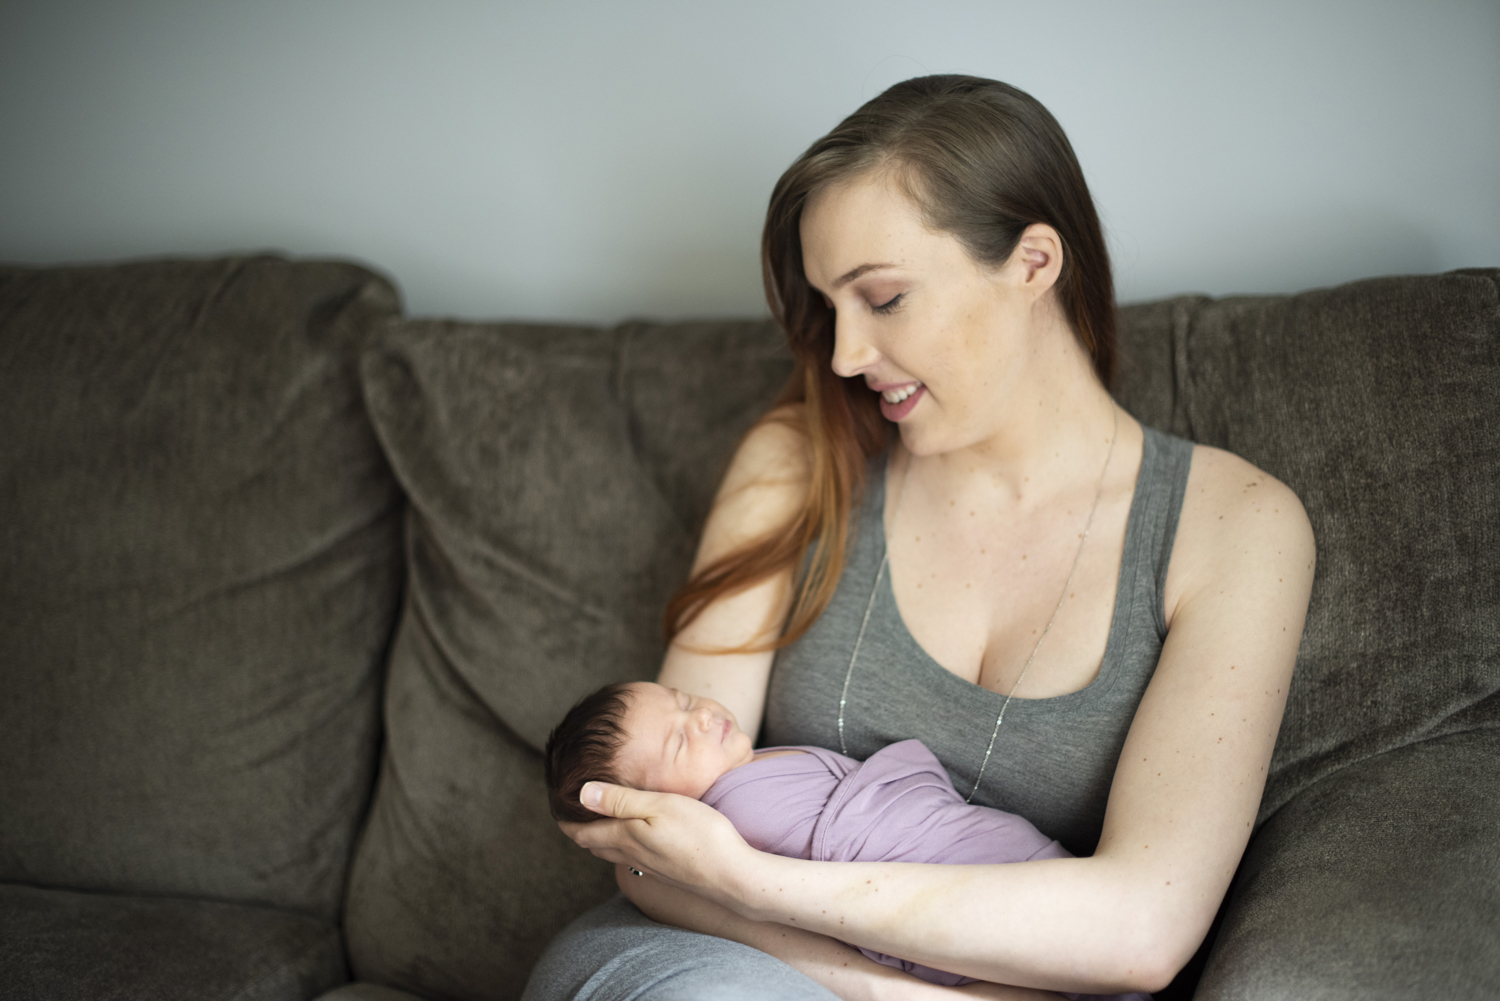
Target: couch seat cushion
63 944
1378 883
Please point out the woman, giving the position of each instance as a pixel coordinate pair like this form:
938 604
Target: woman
1092 624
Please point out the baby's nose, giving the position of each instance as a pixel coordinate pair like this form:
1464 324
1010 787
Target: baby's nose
705 718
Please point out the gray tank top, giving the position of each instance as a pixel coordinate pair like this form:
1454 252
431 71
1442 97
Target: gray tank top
1054 758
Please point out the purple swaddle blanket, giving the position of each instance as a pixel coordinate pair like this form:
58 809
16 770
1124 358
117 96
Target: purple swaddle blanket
899 805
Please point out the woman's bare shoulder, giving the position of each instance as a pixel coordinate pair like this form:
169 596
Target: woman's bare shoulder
766 485
1236 518
1222 487
775 450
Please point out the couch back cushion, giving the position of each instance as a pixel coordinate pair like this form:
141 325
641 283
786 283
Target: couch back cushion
557 478
201 560
1378 402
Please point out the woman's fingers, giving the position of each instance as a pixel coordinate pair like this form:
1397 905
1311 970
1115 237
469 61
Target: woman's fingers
604 836
602 843
674 838
600 834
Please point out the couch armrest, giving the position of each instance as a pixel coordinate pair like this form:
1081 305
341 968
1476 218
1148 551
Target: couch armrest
1380 881
361 991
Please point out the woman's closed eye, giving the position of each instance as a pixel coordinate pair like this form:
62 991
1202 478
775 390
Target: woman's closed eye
889 306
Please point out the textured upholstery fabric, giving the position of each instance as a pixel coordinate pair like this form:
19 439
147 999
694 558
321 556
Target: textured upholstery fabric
202 559
361 991
201 567
1378 402
60 944
1380 882
557 479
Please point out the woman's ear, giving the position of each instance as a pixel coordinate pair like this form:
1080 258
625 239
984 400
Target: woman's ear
1038 258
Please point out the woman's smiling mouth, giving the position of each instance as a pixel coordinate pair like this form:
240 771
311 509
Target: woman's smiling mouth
900 393
896 403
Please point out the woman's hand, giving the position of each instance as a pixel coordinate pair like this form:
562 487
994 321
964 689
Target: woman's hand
672 838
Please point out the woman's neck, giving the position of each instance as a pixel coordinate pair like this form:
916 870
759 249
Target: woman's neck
1053 436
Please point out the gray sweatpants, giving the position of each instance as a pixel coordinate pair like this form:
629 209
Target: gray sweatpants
616 953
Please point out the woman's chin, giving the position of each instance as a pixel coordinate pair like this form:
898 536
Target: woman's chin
920 442
923 439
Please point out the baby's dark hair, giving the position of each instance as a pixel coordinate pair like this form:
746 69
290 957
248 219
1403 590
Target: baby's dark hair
583 747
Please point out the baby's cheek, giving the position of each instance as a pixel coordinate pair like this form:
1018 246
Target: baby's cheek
673 781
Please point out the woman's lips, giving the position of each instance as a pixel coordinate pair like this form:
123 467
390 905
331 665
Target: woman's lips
896 411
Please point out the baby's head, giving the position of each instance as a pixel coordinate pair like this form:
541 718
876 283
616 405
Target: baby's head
645 736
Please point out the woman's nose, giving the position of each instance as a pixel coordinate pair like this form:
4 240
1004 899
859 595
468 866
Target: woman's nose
852 351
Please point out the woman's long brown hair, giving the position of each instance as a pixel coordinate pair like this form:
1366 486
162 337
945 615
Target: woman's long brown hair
983 161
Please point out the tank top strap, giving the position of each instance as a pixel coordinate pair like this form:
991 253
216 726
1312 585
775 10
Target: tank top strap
1154 512
1155 509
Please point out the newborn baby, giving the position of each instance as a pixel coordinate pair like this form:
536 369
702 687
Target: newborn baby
802 802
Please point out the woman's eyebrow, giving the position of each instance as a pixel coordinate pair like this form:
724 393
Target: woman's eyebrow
863 269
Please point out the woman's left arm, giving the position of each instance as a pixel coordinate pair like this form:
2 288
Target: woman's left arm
1180 812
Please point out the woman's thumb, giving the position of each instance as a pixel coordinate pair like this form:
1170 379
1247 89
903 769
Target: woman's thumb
592 795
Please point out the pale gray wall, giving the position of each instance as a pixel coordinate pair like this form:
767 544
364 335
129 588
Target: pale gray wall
601 160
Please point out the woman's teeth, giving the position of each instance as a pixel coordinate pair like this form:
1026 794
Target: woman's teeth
897 395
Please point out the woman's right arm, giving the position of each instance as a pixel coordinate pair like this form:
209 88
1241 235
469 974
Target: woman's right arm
842 969
762 492
765 487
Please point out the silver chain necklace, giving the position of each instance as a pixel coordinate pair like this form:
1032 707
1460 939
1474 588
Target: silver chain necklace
880 576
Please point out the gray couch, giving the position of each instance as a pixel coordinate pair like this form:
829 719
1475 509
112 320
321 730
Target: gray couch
294 587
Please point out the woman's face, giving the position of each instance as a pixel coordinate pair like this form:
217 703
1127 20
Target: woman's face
943 340
679 742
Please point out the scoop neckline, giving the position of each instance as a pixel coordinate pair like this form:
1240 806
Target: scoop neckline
1120 615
